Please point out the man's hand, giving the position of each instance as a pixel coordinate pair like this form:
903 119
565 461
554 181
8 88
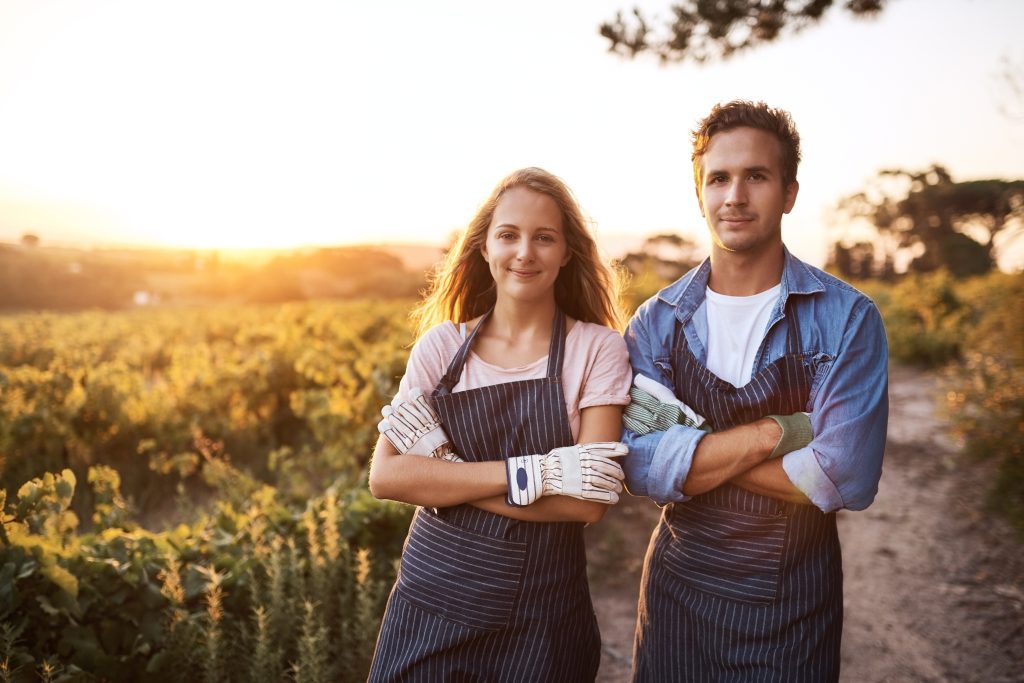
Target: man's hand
414 428
585 471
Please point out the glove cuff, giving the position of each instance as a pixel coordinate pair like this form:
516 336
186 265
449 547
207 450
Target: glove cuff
524 480
796 433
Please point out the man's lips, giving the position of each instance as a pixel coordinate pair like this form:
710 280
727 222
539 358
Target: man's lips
736 219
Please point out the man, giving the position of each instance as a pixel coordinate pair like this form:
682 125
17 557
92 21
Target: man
743 576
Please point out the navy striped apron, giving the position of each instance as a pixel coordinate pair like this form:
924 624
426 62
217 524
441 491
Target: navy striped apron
738 586
479 596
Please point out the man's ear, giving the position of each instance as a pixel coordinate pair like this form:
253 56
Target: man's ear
791 191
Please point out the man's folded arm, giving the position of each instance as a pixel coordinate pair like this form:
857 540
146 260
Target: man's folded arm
841 467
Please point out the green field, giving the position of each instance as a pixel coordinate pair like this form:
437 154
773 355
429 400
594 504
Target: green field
184 488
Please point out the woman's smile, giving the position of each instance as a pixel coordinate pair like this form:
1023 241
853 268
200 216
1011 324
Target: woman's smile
525 245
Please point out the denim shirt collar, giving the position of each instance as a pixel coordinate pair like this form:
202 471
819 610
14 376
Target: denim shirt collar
688 293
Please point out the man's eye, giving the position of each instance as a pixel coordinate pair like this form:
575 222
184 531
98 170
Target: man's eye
757 176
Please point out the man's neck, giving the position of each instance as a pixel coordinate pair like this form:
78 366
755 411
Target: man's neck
745 274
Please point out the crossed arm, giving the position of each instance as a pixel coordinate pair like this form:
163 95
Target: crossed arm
841 466
740 455
432 482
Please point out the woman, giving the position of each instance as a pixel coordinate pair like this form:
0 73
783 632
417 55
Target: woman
517 354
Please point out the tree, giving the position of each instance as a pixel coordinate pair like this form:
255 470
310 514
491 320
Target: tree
926 220
29 240
709 30
661 259
1010 82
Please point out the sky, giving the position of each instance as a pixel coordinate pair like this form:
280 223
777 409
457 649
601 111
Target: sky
233 124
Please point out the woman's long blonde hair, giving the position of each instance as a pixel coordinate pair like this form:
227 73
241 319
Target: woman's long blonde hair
586 289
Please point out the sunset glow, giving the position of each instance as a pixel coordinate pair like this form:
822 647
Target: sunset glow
242 124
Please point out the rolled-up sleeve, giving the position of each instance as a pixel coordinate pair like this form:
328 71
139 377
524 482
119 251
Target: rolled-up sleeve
658 463
849 412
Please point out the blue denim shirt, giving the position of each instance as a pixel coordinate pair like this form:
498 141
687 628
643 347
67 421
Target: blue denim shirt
841 332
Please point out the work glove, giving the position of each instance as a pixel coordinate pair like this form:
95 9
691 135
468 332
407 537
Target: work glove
654 408
584 471
796 433
413 427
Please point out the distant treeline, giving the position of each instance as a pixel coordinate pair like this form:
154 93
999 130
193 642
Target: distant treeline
36 278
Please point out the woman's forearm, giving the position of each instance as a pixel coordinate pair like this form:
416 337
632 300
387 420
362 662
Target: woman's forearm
547 509
431 482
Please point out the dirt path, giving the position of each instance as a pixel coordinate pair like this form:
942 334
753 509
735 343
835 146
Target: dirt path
934 586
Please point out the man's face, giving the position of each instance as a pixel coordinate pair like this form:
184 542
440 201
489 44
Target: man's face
741 194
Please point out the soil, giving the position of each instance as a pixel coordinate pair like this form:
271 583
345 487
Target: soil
934 582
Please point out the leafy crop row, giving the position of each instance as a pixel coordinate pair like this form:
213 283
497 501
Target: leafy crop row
249 426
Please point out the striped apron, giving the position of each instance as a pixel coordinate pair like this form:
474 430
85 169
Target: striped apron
738 586
479 596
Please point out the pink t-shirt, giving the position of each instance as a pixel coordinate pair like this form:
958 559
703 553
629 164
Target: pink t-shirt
595 369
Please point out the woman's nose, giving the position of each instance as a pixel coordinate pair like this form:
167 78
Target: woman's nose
524 252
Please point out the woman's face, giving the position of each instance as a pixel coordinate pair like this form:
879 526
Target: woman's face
525 245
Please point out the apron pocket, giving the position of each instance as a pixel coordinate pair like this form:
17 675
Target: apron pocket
461 575
729 553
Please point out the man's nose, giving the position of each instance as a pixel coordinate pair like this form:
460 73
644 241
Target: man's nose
737 195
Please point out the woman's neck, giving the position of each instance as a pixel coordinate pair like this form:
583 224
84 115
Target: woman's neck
521 320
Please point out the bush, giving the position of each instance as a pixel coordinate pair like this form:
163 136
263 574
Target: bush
924 314
258 593
986 391
288 394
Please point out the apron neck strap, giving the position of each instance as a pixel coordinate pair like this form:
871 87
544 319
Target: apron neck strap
556 352
793 345
556 349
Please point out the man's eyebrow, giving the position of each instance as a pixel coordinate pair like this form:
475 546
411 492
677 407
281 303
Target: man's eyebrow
749 169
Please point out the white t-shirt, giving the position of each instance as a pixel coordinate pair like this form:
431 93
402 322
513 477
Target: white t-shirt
736 326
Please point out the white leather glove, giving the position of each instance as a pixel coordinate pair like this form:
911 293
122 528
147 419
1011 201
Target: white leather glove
413 427
584 471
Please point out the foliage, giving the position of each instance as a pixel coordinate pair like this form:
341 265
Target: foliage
661 260
30 280
34 277
702 31
256 593
349 272
973 330
925 315
986 394
929 221
285 395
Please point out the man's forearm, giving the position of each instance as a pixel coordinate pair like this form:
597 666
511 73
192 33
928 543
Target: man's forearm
770 479
723 456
